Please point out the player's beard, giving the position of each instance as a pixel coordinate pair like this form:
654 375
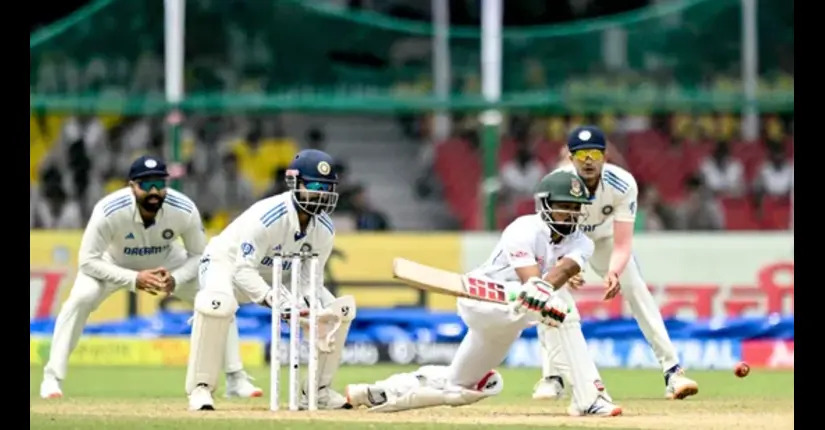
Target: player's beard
564 229
151 206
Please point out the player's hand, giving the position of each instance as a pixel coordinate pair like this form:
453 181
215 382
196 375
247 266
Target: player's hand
169 282
532 297
575 281
611 285
150 281
554 312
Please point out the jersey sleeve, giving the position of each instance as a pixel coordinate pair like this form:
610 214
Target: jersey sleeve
100 231
626 207
254 244
194 240
517 245
581 251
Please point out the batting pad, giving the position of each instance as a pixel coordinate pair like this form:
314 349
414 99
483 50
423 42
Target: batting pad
214 312
578 368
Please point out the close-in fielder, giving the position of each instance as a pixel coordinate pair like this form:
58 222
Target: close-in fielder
609 222
131 242
237 268
535 257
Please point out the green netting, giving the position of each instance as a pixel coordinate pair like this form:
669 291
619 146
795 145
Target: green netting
291 54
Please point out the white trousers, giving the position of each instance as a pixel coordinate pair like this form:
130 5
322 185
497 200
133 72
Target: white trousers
88 293
492 329
644 308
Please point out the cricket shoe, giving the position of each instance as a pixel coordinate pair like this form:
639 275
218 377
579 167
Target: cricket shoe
239 384
200 399
602 407
365 395
679 386
328 399
549 388
50 388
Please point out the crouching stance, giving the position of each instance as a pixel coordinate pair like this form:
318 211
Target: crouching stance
536 256
236 268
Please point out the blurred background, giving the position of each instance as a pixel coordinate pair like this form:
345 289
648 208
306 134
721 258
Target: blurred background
436 153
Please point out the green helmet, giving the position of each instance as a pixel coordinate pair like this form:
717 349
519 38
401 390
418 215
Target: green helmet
561 187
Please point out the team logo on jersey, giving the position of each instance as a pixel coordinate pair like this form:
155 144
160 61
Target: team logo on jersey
168 234
324 168
306 247
607 210
247 249
633 207
575 187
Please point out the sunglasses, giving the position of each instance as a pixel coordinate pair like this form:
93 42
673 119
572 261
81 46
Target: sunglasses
319 186
594 154
147 186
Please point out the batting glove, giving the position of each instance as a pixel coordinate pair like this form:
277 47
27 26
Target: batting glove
534 296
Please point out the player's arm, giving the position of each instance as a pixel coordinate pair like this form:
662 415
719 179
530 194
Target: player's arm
96 239
252 249
623 223
194 240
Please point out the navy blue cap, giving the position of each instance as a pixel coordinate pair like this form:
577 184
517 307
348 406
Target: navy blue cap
586 137
147 166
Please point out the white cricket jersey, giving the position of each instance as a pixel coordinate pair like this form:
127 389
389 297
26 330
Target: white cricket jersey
614 200
271 225
116 244
527 242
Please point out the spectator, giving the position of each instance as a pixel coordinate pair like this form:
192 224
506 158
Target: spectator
228 192
700 210
54 209
367 218
775 177
520 176
264 149
278 184
722 173
653 214
347 189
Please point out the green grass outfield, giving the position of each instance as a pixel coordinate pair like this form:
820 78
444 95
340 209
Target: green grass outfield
116 398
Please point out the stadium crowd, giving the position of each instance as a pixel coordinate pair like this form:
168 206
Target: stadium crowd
694 173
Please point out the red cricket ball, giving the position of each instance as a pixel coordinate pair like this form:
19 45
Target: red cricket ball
742 369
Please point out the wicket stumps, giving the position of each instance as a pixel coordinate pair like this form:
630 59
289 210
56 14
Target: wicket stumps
295 296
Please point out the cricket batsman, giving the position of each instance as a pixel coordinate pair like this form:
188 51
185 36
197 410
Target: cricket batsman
131 242
237 268
535 257
609 223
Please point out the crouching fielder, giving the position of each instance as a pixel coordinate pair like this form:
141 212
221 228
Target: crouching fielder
535 256
609 224
131 243
237 267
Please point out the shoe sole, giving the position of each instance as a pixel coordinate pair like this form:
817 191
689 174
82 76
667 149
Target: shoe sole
613 413
686 391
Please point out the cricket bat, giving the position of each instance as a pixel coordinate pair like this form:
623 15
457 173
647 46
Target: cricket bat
440 281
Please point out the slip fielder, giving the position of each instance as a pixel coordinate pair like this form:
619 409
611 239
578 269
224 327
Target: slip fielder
130 242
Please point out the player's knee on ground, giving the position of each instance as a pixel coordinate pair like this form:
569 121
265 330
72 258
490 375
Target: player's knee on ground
213 315
416 390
